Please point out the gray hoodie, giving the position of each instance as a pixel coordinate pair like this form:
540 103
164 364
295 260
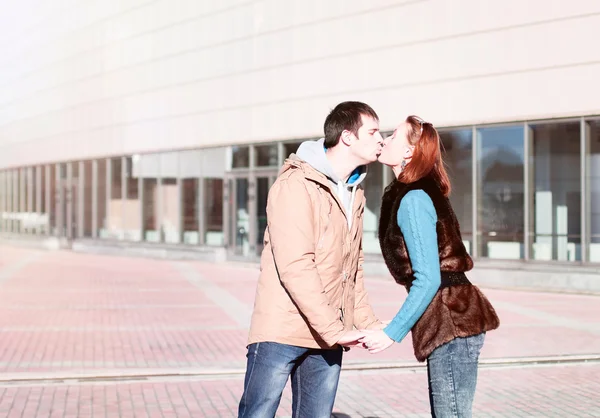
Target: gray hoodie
313 152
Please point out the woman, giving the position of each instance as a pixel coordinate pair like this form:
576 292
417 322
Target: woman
422 247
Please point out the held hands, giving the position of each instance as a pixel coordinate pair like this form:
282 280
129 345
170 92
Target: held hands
373 340
351 339
376 341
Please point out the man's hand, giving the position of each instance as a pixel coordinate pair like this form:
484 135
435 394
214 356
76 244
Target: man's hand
376 341
351 339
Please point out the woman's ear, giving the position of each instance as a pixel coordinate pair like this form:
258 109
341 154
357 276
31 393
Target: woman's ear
409 152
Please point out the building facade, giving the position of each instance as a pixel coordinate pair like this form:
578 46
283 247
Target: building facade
165 122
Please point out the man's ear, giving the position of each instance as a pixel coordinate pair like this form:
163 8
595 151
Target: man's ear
346 137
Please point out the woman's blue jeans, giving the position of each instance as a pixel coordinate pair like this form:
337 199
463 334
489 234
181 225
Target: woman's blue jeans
452 372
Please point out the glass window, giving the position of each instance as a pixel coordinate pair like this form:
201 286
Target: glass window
557 192
16 200
170 200
240 157
458 157
170 210
290 148
87 198
72 199
60 200
115 205
241 216
32 218
7 201
52 201
500 160
190 221
101 200
213 211
12 206
150 171
265 155
373 187
132 205
3 201
594 185
22 200
190 170
23 191
263 184
44 200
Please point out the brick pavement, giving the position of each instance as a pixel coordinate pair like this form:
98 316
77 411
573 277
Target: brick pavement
64 314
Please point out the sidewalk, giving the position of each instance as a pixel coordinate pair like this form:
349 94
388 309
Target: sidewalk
85 335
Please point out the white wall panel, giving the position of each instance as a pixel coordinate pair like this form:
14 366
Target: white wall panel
105 77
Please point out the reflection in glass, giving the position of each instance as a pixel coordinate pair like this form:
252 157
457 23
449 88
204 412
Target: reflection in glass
190 169
265 155
213 211
132 205
170 201
241 227
115 205
557 198
594 184
87 199
72 200
24 203
10 182
170 210
44 200
458 156
262 191
290 148
373 187
150 210
240 156
150 171
52 210
61 198
101 200
190 221
2 201
6 201
500 180
16 201
32 216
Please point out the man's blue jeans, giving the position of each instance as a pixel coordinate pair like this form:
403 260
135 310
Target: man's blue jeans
452 371
315 375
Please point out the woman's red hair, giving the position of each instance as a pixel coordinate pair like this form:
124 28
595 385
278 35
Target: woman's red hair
427 155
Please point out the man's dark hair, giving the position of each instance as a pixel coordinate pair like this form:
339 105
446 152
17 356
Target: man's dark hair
347 116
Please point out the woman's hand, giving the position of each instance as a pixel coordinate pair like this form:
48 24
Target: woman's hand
376 341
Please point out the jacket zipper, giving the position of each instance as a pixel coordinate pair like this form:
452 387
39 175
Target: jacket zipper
345 272
348 237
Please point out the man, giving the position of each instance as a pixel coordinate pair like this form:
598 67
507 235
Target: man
310 291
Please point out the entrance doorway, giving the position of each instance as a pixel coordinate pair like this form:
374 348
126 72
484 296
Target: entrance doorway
247 207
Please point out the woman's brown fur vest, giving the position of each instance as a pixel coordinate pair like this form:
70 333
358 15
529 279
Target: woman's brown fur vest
458 309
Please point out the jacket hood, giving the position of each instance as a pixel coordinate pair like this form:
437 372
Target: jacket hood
314 153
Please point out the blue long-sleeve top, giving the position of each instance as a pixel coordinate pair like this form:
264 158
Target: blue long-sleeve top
417 220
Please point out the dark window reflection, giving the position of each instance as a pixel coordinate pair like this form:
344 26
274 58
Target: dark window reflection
500 178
